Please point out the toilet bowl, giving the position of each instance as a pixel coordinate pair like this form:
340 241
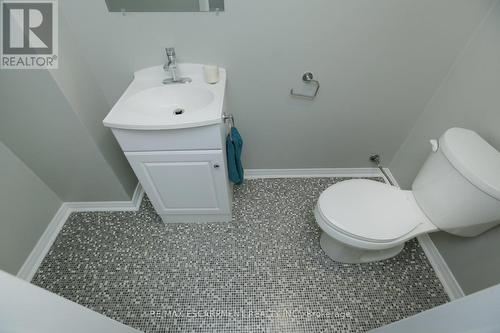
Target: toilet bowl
457 191
364 220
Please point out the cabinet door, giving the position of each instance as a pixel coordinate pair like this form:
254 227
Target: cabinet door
183 182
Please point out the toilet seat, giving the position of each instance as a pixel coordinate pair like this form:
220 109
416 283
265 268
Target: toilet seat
370 214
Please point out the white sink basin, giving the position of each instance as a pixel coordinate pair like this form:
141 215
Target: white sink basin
148 104
169 101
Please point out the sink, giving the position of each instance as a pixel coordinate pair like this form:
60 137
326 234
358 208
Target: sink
148 104
167 102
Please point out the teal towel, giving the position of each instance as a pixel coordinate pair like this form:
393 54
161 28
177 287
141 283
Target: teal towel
234 146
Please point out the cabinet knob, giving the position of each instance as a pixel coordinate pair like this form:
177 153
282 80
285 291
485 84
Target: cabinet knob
216 166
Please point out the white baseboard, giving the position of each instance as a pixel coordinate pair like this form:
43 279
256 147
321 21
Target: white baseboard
312 173
391 176
109 206
42 247
443 272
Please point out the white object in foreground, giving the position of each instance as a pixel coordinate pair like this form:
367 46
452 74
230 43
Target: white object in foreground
475 313
27 308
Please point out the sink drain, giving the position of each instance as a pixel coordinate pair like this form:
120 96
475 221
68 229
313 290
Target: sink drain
178 111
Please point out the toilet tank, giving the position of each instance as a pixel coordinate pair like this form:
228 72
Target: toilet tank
458 187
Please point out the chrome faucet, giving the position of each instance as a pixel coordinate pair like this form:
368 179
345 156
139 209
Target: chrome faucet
171 64
171 67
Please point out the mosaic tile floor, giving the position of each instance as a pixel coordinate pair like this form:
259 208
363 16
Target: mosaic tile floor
264 272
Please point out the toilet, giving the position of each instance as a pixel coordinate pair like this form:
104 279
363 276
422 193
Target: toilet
457 191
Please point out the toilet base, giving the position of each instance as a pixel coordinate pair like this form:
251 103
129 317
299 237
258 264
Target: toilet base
344 253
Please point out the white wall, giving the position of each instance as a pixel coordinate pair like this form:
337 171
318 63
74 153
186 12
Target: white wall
53 123
39 125
26 207
87 101
469 97
378 62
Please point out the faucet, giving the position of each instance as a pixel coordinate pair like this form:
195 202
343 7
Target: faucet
171 67
171 64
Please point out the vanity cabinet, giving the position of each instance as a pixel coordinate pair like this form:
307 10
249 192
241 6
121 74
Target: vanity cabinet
186 185
173 135
183 182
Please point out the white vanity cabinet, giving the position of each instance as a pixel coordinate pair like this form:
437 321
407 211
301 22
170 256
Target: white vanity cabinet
182 171
174 136
183 182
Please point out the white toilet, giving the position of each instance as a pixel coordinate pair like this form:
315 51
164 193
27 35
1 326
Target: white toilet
457 190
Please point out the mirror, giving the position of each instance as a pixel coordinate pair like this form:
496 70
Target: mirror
165 5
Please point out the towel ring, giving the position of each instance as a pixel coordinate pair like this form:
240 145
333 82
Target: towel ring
227 117
307 78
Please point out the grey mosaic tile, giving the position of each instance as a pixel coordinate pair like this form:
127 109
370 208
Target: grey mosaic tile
264 272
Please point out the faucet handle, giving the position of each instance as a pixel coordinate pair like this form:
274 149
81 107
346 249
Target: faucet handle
170 51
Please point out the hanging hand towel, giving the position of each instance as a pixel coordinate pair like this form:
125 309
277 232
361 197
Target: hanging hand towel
234 146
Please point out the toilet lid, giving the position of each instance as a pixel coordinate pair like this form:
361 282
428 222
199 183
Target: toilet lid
474 158
369 210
